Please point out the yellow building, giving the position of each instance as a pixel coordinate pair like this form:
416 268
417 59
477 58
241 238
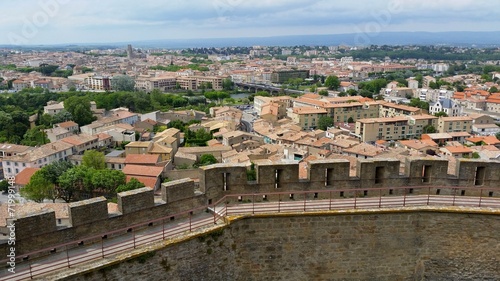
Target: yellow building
393 128
454 124
388 109
306 117
342 112
138 147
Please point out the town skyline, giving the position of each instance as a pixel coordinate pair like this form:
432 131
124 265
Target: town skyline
62 22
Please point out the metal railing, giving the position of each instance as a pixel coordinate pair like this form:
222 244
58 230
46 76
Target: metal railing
360 198
92 248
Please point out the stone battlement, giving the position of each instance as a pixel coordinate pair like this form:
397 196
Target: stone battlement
90 218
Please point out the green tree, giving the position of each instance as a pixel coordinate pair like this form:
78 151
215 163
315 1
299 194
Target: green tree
314 88
38 188
35 137
441 114
429 129
498 136
263 94
5 120
433 85
79 108
94 159
131 185
324 122
74 180
227 84
123 83
352 92
252 173
475 155
493 90
61 116
332 82
45 120
4 186
323 93
54 170
108 180
207 159
416 102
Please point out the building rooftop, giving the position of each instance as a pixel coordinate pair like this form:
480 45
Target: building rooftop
23 178
148 159
144 171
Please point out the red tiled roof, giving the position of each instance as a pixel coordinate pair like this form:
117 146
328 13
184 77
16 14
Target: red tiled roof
67 124
150 159
23 178
147 181
141 170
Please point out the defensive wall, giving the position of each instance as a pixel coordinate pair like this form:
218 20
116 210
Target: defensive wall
416 243
91 218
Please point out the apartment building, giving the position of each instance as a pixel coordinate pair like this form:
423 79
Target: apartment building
388 109
454 124
306 117
37 157
427 80
259 102
82 143
197 82
57 133
19 85
283 76
393 128
162 83
117 116
99 83
350 112
42 83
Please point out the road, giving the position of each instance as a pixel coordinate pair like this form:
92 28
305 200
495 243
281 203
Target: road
110 246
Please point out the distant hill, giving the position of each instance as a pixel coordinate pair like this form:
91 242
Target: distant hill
351 39
466 38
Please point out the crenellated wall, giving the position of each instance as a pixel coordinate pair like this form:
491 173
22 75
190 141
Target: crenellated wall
90 217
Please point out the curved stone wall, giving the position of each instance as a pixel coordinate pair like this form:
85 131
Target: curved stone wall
416 244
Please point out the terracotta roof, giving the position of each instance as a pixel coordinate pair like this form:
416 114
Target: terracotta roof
457 149
23 178
67 124
308 110
79 139
147 181
141 170
490 140
141 159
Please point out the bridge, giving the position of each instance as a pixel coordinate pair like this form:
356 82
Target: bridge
266 88
72 255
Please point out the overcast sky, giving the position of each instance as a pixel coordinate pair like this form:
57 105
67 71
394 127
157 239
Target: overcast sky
100 21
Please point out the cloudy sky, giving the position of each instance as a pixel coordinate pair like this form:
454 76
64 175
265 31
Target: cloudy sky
99 21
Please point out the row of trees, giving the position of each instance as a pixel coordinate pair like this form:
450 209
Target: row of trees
65 181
